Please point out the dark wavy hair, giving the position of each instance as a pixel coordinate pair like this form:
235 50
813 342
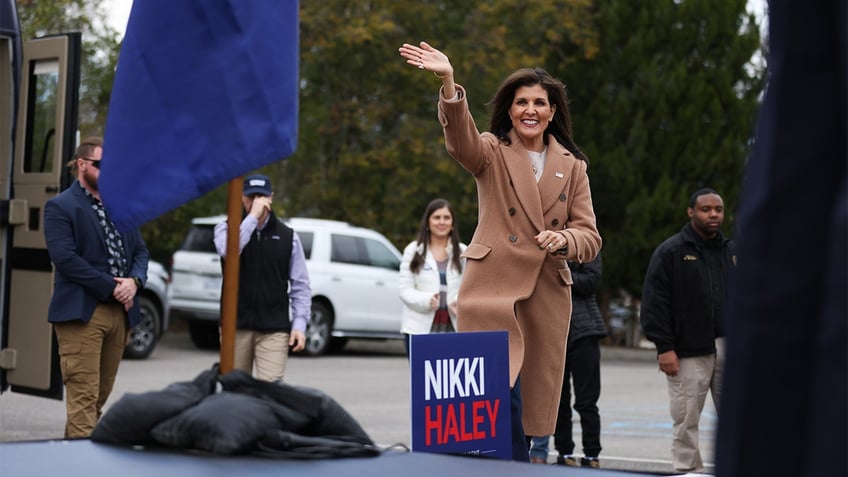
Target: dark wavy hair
424 237
560 125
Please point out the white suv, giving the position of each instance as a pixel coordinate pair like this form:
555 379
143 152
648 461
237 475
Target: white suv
353 273
153 305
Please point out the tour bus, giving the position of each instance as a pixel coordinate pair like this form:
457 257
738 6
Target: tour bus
39 87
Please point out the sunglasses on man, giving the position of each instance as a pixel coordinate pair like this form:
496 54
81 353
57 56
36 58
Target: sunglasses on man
94 162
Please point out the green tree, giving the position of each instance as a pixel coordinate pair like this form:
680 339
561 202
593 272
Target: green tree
663 98
666 106
370 148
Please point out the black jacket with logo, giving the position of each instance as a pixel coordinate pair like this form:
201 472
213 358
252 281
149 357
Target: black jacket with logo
265 263
684 296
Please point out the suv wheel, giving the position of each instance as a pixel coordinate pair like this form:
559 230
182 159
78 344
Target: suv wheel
318 330
204 334
142 338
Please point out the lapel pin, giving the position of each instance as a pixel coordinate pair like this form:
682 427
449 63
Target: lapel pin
560 175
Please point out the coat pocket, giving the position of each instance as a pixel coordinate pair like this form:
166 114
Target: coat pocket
565 276
476 251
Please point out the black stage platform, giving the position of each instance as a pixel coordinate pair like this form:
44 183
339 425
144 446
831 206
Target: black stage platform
87 459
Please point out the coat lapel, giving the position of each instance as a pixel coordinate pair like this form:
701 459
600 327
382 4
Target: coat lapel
523 180
83 201
556 174
429 260
536 199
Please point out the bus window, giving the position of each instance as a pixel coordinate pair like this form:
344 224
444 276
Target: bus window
42 101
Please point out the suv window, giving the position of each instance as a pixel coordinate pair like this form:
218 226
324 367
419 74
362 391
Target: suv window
306 239
345 249
199 239
380 256
362 251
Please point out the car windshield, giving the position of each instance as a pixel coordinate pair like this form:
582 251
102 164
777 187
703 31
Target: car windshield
362 251
199 239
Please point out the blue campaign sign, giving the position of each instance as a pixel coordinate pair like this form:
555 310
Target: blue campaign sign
460 393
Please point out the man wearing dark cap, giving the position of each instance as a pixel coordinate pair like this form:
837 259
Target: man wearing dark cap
272 276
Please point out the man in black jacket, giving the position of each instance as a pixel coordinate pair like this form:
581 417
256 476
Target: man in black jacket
683 304
272 279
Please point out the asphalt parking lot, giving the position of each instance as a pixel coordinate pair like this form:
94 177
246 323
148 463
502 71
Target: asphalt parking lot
371 381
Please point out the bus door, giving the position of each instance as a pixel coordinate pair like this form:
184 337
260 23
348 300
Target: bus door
45 137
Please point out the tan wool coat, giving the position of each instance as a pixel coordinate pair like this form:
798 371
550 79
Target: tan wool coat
509 282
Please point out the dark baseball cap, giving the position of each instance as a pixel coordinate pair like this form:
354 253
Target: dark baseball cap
257 184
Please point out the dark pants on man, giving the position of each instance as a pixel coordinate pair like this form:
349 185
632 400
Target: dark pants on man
520 450
583 368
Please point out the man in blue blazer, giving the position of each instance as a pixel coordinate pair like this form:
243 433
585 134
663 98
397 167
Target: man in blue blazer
98 274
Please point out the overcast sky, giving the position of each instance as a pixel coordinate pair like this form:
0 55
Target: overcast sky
119 12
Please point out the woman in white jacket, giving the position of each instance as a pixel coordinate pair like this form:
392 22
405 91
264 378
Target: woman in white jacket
430 274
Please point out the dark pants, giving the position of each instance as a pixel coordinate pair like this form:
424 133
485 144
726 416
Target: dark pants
520 450
583 368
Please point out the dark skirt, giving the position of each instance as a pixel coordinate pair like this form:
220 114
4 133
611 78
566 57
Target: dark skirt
442 322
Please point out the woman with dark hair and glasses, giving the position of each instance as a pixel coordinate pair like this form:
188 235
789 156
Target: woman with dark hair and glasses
430 273
534 214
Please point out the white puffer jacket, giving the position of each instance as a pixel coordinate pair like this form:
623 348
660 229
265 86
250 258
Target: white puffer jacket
416 289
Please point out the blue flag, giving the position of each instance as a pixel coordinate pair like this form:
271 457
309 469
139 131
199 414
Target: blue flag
205 91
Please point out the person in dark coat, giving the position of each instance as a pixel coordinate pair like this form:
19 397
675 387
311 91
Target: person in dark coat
683 303
274 294
99 273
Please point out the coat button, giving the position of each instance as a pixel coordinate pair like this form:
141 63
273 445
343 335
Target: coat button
562 197
513 238
555 222
512 211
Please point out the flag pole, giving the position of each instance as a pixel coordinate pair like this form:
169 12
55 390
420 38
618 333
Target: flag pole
229 294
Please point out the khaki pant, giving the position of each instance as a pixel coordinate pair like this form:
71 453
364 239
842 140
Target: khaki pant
89 357
687 393
263 355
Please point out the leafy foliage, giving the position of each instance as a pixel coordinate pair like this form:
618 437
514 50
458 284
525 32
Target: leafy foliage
370 149
665 107
663 98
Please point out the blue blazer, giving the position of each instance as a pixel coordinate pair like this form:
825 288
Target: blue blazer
77 248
